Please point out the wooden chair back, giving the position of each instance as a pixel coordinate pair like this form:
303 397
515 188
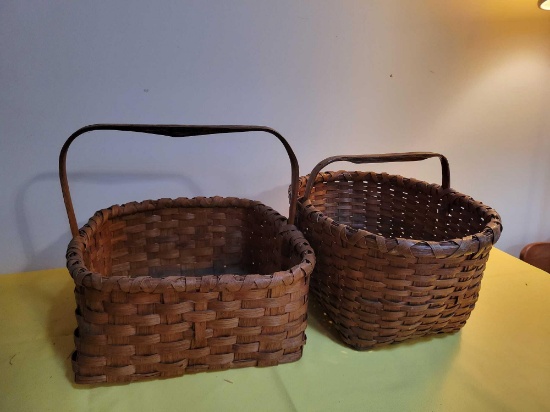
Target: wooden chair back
537 254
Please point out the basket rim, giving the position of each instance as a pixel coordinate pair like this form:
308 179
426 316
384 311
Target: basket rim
211 283
449 248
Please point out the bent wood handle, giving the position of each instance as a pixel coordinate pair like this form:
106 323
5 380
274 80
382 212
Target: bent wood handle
173 131
381 158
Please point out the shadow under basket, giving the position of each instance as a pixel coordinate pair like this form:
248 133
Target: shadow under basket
397 258
145 308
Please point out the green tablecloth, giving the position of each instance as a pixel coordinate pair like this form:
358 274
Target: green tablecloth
500 361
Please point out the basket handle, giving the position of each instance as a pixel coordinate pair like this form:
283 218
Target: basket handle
173 131
381 158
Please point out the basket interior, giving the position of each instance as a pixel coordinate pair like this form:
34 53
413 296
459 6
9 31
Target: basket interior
396 208
183 241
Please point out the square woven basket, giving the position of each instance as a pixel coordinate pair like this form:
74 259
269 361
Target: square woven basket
173 286
397 258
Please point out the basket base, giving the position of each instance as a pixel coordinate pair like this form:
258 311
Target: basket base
364 340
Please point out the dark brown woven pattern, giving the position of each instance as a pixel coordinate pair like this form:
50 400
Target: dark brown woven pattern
397 258
176 286
139 316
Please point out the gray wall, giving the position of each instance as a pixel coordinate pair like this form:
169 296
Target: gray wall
466 78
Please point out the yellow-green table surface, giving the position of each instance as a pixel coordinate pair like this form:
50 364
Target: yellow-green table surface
500 361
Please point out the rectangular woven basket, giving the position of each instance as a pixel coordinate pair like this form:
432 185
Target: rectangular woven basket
173 286
397 258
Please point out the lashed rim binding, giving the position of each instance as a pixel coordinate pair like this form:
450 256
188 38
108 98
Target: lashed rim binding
222 282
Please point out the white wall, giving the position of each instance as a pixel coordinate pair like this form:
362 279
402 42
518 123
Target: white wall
463 77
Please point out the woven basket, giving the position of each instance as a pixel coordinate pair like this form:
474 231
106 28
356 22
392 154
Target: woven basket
172 286
397 258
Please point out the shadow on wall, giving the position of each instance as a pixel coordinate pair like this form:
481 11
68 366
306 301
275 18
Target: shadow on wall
53 254
276 198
